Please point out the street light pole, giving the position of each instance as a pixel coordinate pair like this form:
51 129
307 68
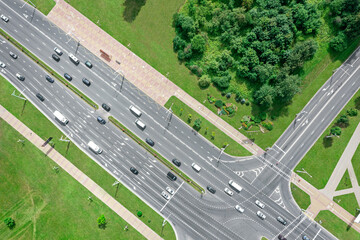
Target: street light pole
221 152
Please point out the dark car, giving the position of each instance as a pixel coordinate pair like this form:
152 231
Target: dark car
281 220
101 120
134 171
150 142
88 64
305 238
86 82
176 162
67 76
41 97
20 77
211 189
13 55
106 107
171 176
281 237
49 78
55 57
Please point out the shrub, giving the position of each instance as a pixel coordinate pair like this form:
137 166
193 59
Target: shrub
352 112
197 124
262 116
335 131
228 95
139 214
189 117
218 104
268 125
213 135
225 144
247 103
102 221
204 82
9 222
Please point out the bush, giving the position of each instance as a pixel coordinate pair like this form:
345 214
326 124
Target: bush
204 82
225 144
339 43
139 214
9 222
268 125
335 131
218 104
102 221
228 95
262 116
352 112
197 124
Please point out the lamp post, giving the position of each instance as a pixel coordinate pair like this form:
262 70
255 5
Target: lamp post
221 152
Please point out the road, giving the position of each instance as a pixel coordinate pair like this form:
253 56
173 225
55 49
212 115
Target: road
193 216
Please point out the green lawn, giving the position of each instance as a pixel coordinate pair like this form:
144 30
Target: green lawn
345 182
336 226
348 202
43 203
301 198
322 158
44 6
206 128
44 128
356 163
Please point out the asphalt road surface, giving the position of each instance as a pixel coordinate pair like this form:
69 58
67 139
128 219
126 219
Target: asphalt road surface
193 215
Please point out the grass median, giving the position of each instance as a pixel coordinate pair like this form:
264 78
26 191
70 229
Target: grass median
336 226
43 201
207 130
345 181
49 70
321 159
301 198
38 123
157 155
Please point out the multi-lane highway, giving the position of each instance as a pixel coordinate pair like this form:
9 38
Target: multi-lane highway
194 216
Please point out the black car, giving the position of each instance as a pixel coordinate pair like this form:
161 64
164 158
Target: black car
176 162
86 82
88 64
281 237
106 107
41 97
67 76
55 57
150 142
134 171
13 55
101 120
211 189
171 176
49 78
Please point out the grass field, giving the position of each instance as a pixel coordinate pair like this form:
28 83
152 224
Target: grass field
301 198
322 158
356 163
345 182
348 202
44 128
43 203
44 6
181 110
336 226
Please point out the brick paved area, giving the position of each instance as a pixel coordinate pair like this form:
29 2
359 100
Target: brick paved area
137 71
95 189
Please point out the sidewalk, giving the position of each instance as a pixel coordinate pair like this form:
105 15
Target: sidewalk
319 201
95 189
137 71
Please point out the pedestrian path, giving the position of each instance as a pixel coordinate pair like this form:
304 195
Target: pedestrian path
95 189
137 71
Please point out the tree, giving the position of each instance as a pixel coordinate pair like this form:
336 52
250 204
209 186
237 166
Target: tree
264 96
204 81
286 87
222 82
343 121
9 222
102 221
184 25
336 131
339 43
197 124
178 43
352 112
198 44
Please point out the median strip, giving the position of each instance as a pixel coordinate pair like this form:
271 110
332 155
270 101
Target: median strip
155 154
48 69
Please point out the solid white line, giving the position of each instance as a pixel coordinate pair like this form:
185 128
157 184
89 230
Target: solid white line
171 197
317 234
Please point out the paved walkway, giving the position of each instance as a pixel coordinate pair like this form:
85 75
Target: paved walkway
95 189
137 71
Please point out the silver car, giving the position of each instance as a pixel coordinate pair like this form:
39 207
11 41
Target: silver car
261 215
170 190
164 194
260 204
240 209
2 65
228 191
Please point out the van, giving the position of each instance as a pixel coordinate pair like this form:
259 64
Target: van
171 176
95 148
135 111
74 59
235 185
196 167
61 117
140 124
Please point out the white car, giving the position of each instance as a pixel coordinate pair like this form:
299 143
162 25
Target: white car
228 191
261 215
170 190
260 204
5 19
20 77
240 209
2 64
58 51
164 194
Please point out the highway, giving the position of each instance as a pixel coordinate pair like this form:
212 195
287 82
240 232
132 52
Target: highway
194 216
